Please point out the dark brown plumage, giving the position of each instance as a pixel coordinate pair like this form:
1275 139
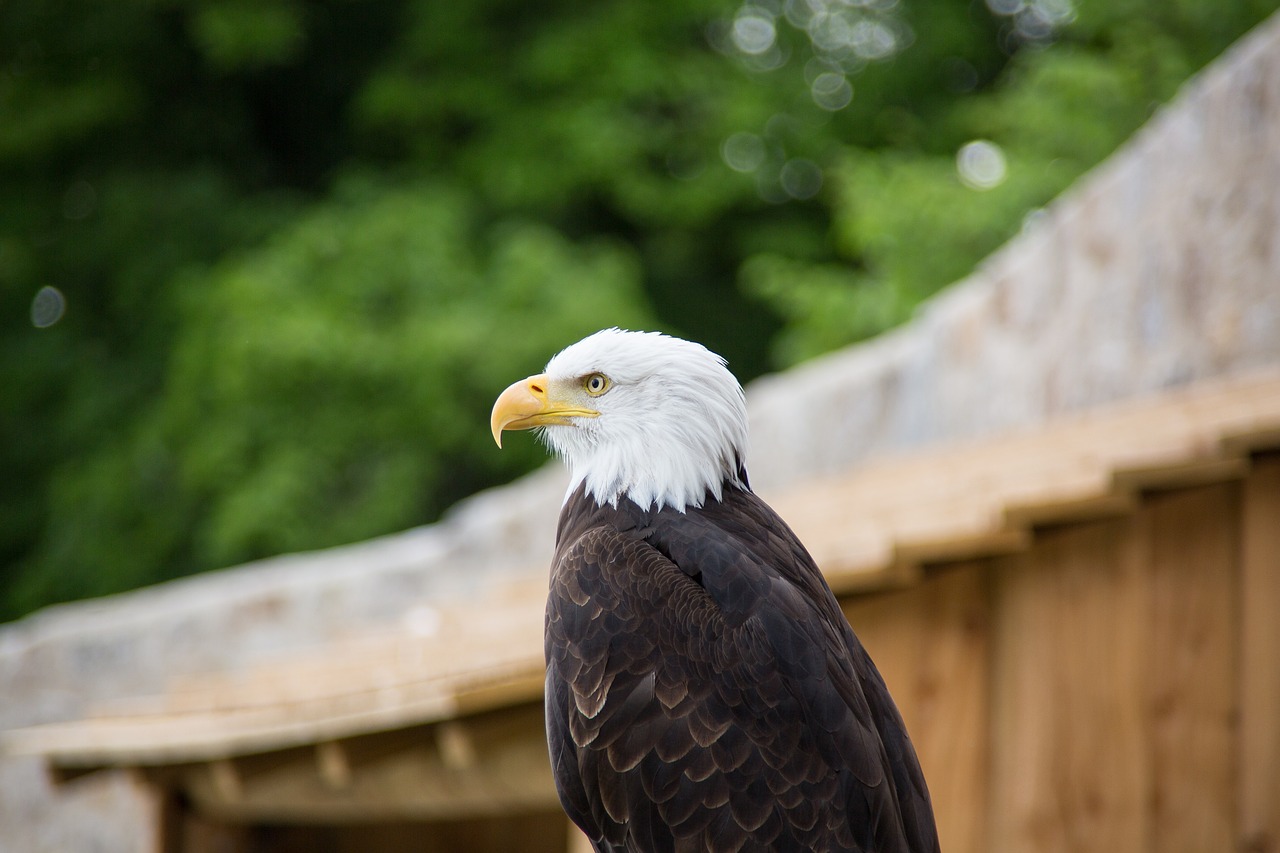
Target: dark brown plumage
704 691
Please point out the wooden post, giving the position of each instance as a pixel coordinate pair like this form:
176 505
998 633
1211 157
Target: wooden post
1259 751
333 765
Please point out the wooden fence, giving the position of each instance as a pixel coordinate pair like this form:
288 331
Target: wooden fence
1115 687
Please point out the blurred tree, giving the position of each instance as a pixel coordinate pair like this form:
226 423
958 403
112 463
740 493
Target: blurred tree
300 244
328 385
907 219
129 157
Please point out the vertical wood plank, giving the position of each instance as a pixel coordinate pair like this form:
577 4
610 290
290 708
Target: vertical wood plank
1260 660
930 644
1068 770
1193 546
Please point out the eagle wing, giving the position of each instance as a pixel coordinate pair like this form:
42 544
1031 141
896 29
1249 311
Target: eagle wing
705 693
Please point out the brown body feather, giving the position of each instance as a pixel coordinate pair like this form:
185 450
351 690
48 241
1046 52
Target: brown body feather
705 693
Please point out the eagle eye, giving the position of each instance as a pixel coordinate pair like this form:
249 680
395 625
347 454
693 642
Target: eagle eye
596 384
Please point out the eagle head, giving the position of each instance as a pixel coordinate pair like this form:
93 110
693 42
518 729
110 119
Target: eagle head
639 415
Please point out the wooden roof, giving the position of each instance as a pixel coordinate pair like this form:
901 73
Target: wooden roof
871 529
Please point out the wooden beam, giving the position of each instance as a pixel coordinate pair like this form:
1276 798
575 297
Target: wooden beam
486 764
333 765
456 746
893 576
1182 474
1069 510
1260 438
225 779
62 775
515 687
963 546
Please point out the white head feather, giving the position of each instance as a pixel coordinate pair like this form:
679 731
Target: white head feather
672 427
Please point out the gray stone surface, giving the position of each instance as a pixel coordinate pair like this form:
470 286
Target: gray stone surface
1159 268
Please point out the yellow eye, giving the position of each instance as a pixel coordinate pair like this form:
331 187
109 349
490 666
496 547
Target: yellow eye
596 384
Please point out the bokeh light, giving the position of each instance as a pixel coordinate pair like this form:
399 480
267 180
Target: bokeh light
981 164
743 152
1034 20
800 178
753 31
846 34
47 307
831 90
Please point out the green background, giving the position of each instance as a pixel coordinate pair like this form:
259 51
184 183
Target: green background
302 245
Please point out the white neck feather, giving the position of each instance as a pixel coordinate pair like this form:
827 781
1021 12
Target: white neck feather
672 428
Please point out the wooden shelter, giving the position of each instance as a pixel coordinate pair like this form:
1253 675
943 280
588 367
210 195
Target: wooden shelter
1079 623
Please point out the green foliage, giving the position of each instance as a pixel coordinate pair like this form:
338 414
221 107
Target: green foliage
904 225
338 380
242 34
302 245
333 382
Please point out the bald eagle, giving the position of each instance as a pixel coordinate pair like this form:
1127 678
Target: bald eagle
704 691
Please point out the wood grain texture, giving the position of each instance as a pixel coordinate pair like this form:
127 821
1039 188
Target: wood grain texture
1068 770
1192 545
1259 752
931 644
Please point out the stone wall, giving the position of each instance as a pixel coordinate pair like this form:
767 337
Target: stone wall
1159 268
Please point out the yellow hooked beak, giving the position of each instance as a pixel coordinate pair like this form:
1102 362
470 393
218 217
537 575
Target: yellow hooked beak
528 403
